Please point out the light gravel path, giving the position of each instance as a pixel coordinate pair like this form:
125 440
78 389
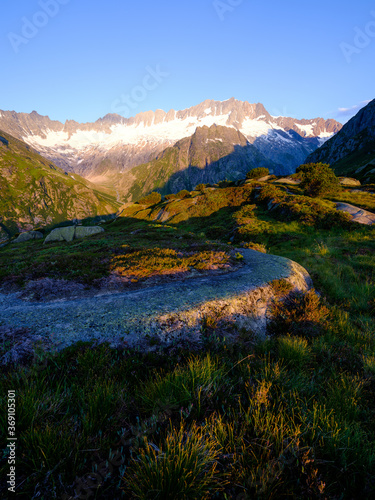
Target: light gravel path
131 315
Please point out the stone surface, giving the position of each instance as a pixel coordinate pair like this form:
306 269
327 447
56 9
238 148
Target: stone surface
61 234
84 231
171 311
30 235
286 180
72 232
264 179
358 215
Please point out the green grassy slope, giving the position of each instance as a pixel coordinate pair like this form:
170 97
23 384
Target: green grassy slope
289 416
35 192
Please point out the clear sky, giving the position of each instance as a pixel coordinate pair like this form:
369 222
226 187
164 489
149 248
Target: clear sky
82 59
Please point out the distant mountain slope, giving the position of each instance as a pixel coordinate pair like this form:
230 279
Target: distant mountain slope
34 191
352 151
113 144
211 154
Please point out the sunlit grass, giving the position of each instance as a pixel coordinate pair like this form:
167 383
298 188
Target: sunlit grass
162 261
184 466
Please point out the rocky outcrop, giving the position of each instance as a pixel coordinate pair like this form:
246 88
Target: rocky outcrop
28 236
71 233
358 214
173 311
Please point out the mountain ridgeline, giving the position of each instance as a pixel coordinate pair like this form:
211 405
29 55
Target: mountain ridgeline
35 192
351 152
104 150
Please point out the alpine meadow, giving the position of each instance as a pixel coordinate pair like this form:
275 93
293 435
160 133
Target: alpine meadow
187 294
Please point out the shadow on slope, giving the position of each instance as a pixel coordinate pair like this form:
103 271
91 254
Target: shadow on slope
177 169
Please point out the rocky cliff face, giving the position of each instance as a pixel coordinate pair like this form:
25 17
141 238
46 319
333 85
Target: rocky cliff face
113 144
211 154
352 151
35 192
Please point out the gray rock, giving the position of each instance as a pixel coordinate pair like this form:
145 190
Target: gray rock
61 234
31 235
83 231
72 232
173 311
287 180
358 215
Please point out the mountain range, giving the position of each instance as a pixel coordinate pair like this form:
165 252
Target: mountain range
104 150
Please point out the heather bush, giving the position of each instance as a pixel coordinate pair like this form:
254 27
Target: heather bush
257 173
151 199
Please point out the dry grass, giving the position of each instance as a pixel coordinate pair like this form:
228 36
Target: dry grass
138 264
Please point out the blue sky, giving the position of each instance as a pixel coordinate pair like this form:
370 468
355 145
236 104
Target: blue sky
82 59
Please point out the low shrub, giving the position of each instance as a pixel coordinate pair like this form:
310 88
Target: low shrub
310 212
183 194
171 196
257 172
318 179
259 247
152 199
300 314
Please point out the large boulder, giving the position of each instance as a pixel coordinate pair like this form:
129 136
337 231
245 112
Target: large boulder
84 231
61 234
71 233
30 235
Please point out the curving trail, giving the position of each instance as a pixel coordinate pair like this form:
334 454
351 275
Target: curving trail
167 310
